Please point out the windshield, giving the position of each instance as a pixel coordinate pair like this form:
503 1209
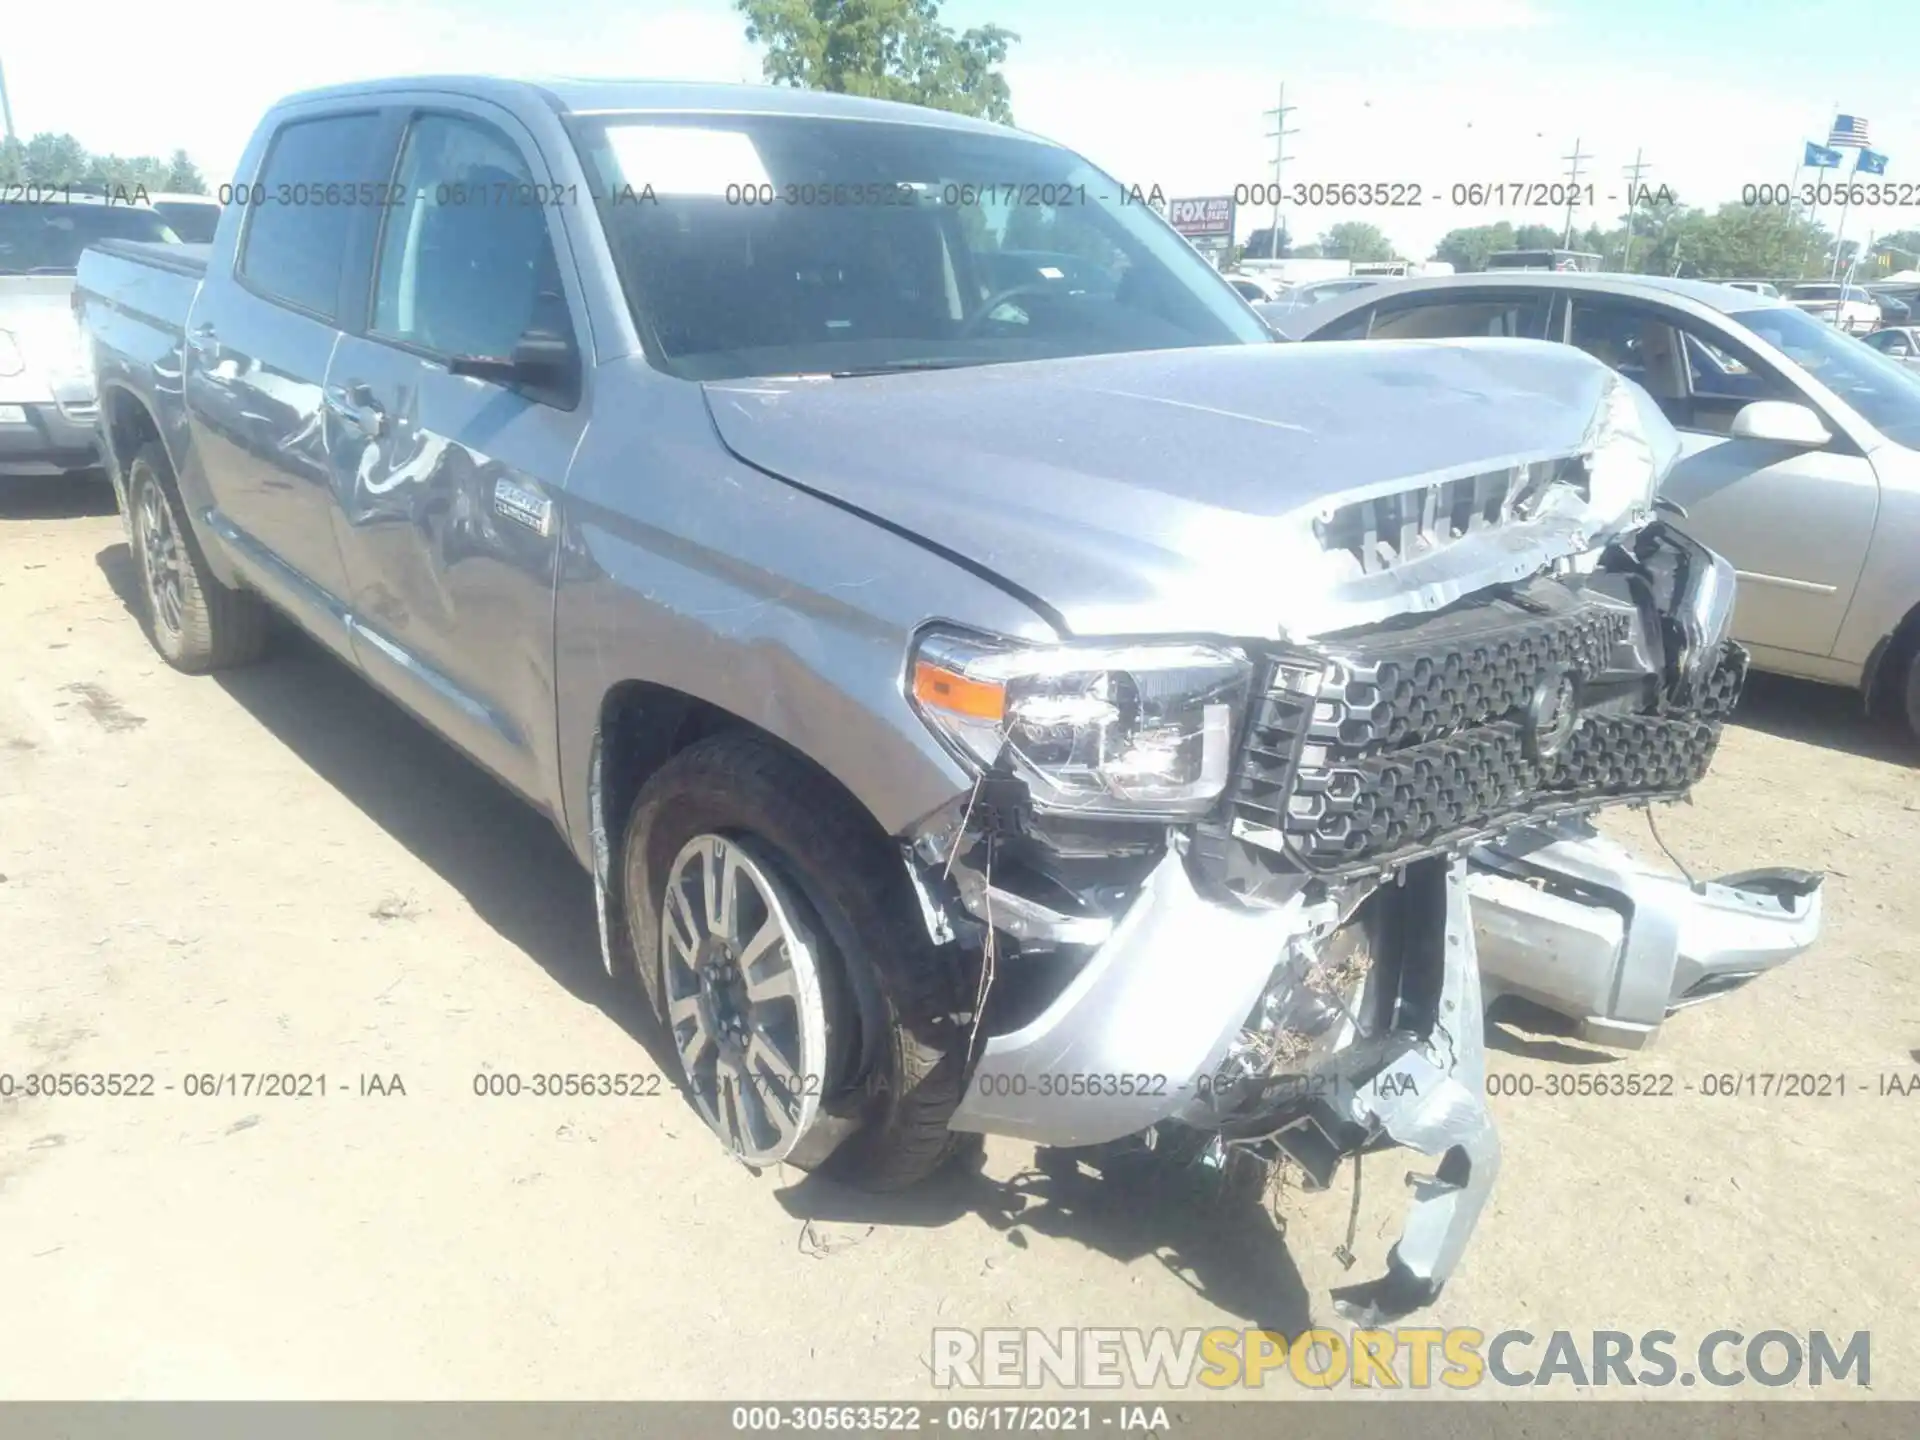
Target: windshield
193 221
1885 392
46 238
779 245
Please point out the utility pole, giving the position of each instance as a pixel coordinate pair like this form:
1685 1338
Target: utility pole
1632 172
6 110
1278 135
1573 183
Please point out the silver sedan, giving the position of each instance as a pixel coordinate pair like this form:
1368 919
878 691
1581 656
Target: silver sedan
1800 445
1897 342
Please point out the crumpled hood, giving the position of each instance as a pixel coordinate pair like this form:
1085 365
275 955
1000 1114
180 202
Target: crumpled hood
1175 490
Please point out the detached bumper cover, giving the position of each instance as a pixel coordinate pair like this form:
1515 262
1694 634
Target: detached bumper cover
1135 1037
1570 920
1432 1098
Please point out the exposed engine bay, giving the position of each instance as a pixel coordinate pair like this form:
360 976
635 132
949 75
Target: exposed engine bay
1297 975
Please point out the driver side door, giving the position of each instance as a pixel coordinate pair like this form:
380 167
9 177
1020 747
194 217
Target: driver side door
449 484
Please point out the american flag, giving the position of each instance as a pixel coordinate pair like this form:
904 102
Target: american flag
1848 130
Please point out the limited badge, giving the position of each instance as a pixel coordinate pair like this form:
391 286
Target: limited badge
528 507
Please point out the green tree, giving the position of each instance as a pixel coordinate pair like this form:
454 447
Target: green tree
1356 240
886 49
1898 251
1468 247
56 159
59 160
1538 237
1309 251
1260 244
183 176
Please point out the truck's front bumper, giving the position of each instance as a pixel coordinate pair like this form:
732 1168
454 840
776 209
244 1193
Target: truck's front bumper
1570 920
1137 1036
48 439
1127 1042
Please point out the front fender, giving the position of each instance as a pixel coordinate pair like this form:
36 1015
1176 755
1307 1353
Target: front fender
684 568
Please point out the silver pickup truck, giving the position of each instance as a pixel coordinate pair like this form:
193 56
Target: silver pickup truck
1042 706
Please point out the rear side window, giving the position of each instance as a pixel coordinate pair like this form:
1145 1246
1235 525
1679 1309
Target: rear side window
299 232
1356 326
1520 317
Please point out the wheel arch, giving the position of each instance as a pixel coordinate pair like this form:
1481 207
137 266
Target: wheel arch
641 726
128 421
1887 662
126 424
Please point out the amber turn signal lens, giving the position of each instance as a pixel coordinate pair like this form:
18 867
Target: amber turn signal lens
944 689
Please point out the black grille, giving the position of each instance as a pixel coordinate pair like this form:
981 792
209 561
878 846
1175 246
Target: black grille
1420 742
1401 694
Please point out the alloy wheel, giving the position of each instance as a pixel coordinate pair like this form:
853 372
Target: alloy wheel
743 992
162 557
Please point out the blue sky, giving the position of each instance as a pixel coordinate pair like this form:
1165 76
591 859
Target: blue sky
1430 91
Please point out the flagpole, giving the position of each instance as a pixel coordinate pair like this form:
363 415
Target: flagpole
1793 202
1840 233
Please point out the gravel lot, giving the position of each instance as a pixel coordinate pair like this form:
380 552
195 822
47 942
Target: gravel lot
277 870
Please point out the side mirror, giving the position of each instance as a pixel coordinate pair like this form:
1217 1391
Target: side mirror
543 364
1782 422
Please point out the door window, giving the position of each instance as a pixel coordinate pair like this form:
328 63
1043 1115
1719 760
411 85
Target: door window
1522 317
299 232
1700 379
466 265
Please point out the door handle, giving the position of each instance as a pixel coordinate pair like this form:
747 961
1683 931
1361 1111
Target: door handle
201 340
354 405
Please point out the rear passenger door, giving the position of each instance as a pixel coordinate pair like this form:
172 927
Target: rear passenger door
257 349
448 484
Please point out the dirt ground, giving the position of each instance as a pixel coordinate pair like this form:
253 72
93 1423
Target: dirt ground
277 870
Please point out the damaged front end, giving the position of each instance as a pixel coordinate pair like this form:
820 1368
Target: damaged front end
1246 892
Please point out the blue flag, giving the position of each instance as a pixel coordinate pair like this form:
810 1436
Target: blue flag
1871 162
1821 157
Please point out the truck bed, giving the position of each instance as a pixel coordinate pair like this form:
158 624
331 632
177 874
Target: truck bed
180 259
132 298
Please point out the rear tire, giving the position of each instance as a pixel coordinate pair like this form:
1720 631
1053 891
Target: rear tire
894 1054
1911 695
196 623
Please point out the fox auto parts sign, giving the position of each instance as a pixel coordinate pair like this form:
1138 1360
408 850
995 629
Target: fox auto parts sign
1208 218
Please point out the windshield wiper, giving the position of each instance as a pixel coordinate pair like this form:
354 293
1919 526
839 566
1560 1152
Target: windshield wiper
896 367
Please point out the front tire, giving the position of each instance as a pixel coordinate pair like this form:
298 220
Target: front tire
819 969
196 623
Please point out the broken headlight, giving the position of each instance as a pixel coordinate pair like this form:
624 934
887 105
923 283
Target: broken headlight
1096 729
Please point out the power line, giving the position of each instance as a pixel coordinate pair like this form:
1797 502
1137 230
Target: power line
1632 172
1278 135
1573 189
